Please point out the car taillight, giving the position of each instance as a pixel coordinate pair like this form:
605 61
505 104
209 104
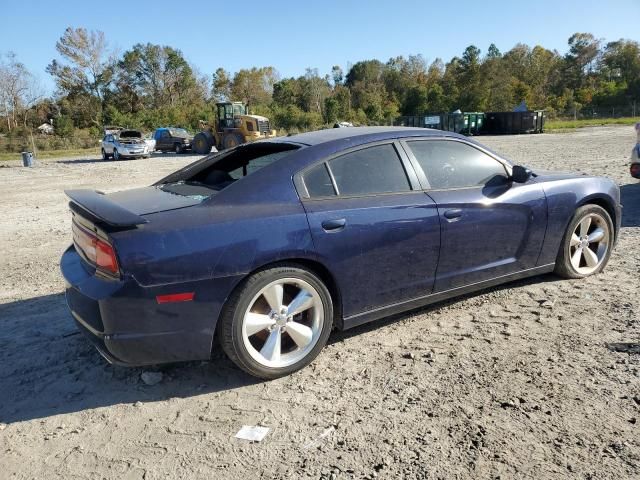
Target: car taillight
95 250
106 257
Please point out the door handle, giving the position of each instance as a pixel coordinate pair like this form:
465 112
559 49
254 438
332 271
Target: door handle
334 225
453 213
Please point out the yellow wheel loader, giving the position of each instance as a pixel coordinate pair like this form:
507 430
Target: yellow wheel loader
233 125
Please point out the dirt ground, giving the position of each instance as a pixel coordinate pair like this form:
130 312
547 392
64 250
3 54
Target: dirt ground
535 379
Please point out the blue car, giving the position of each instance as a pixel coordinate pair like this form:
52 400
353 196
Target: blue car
267 247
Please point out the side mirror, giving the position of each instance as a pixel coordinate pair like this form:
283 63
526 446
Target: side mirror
520 174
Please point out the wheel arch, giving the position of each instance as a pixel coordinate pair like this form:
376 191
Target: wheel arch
605 202
312 265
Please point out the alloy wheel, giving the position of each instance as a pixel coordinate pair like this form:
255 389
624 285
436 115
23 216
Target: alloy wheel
283 322
589 244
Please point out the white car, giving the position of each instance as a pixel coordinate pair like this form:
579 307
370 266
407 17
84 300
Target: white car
124 144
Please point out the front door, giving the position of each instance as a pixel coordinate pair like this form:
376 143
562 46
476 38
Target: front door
490 226
373 227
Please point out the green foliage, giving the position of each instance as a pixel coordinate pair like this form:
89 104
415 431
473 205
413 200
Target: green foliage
64 126
153 85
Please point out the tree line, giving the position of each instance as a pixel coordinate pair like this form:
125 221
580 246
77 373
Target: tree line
154 85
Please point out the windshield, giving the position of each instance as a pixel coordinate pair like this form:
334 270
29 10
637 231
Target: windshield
216 172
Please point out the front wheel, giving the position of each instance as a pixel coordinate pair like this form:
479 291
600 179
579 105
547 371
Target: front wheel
586 245
276 322
179 148
116 154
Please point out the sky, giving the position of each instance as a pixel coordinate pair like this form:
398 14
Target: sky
294 35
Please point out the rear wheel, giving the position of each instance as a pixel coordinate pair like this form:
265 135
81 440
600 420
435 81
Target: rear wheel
586 246
277 322
105 155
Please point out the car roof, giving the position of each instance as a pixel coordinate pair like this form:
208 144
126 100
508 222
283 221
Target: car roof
372 133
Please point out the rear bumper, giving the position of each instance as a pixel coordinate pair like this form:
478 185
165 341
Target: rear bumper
128 326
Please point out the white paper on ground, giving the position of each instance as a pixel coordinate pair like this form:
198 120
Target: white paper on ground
251 433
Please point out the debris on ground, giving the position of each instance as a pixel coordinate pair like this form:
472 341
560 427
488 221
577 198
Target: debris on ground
252 433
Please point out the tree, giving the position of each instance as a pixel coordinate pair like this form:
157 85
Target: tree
86 70
19 91
493 52
314 90
159 76
580 62
337 75
13 84
221 86
254 86
621 60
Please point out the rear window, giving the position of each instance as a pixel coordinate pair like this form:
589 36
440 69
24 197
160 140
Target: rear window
216 172
179 132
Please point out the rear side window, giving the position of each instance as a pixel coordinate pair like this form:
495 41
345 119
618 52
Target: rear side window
318 182
369 171
449 164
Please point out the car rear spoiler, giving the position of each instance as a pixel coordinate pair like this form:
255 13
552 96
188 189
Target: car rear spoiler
98 207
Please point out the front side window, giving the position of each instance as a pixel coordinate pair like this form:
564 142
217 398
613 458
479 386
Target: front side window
250 126
449 164
369 171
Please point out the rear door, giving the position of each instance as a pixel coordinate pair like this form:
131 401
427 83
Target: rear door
490 226
372 225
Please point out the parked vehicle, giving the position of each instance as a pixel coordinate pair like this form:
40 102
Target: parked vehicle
232 126
124 143
172 140
273 244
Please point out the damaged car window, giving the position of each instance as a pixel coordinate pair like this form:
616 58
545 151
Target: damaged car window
215 172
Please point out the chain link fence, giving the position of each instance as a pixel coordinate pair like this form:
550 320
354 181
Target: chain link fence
602 112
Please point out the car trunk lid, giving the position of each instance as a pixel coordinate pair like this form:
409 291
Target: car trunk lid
127 209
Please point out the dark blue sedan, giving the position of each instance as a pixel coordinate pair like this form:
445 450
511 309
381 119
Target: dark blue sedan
269 246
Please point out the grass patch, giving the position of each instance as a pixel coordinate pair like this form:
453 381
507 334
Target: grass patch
52 154
554 125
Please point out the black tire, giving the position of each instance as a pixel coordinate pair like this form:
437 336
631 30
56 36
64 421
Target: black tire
232 140
105 155
564 266
201 144
116 154
230 324
178 148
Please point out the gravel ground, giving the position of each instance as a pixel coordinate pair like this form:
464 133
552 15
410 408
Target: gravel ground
535 379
